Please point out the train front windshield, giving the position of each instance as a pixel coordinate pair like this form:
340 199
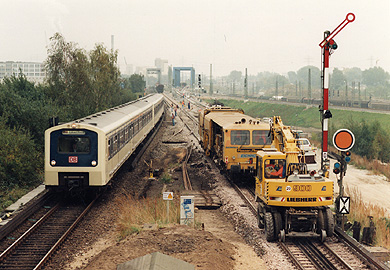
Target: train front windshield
260 137
74 144
240 137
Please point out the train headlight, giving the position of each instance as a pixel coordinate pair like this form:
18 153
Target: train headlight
53 162
93 163
74 125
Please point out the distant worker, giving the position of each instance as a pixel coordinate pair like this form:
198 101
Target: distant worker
182 104
173 118
189 105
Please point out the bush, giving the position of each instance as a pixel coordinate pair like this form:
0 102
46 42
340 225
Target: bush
20 162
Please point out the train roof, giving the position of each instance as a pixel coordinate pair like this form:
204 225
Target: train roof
235 120
111 119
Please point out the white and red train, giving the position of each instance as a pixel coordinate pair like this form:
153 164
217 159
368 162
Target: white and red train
86 153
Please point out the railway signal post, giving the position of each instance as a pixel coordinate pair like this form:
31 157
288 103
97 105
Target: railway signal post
328 45
343 140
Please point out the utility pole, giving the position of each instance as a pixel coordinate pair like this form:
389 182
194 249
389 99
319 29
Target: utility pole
360 97
328 45
211 80
246 84
309 86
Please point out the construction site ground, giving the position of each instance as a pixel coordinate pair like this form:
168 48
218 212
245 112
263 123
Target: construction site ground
95 243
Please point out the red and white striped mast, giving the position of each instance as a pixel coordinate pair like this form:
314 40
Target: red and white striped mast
328 45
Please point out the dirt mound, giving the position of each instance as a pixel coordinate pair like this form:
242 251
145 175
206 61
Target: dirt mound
197 247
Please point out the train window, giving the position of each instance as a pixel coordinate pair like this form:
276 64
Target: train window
115 143
74 144
122 138
240 137
126 134
111 147
260 137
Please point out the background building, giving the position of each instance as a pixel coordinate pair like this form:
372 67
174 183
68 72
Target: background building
33 71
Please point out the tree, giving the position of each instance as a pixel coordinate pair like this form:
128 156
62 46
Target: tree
104 77
68 76
353 74
20 162
235 76
292 77
25 105
337 80
303 76
377 81
137 83
83 82
375 76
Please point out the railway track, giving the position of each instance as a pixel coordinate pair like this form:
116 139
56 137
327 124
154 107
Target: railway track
202 198
32 249
310 253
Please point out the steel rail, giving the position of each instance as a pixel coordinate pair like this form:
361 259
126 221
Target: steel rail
360 249
290 255
65 235
27 233
20 217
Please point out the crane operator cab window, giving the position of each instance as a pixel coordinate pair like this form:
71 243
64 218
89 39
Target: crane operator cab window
275 168
240 137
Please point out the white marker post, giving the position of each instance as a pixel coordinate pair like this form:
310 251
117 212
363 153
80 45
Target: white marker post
168 196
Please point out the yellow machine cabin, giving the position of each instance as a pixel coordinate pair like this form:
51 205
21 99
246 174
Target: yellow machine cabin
289 199
232 138
278 185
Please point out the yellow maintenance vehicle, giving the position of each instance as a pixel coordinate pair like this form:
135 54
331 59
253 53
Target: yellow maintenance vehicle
232 138
291 200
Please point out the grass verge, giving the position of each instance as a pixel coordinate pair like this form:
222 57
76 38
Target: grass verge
133 213
360 212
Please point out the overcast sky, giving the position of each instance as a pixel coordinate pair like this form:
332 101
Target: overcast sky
261 35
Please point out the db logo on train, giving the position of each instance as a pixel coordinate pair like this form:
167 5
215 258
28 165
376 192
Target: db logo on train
302 187
73 159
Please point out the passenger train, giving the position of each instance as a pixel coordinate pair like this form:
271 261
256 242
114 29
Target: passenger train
86 153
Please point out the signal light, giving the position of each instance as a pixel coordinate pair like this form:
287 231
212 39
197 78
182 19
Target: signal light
347 156
336 168
333 44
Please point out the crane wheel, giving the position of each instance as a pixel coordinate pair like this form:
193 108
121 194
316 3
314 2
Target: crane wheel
278 224
269 227
329 222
